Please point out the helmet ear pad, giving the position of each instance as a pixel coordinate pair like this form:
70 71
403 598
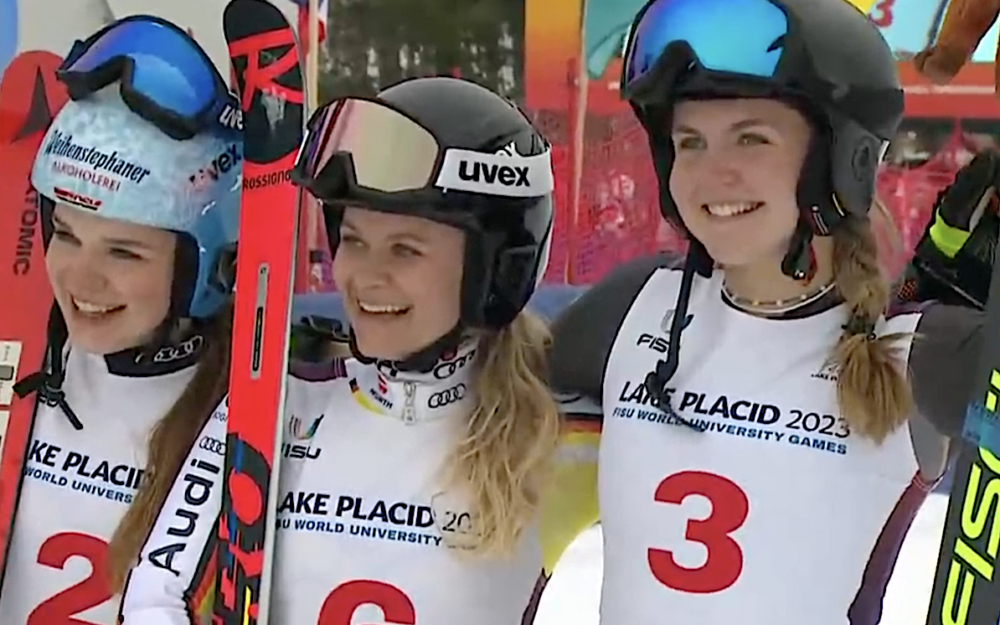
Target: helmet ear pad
186 266
499 277
839 173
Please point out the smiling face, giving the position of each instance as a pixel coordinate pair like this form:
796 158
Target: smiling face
735 173
401 277
111 279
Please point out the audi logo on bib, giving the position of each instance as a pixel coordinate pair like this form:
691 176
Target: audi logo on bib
451 367
171 353
447 396
213 445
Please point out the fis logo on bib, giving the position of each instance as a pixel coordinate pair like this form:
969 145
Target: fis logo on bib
661 344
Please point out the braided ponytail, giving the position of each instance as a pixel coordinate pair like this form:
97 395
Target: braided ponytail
872 387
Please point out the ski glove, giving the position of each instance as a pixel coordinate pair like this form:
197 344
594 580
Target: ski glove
961 206
957 248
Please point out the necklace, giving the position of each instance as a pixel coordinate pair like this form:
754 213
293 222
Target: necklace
775 307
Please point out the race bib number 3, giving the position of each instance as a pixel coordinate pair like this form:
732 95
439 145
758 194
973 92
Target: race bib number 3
724 562
344 601
63 608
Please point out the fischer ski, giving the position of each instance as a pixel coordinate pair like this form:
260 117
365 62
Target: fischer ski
268 77
966 587
30 96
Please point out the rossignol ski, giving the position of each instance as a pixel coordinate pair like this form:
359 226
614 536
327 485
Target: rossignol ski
267 72
30 96
966 585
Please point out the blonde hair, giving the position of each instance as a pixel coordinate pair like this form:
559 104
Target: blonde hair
169 443
873 390
506 446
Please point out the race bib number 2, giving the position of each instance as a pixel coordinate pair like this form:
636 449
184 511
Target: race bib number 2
63 607
724 560
344 601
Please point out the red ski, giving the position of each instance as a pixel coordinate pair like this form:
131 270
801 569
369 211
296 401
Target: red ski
30 96
268 77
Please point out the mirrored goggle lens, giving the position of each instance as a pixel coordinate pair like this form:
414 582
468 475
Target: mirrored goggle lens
738 36
390 151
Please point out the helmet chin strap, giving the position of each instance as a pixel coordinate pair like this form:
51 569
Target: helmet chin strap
48 380
799 262
422 361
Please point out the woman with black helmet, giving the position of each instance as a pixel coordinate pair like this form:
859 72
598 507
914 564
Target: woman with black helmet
429 479
761 453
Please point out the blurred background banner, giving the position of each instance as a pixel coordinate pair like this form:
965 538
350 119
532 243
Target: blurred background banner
608 205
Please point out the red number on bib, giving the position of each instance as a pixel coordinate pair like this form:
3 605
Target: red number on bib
724 563
881 15
93 591
343 602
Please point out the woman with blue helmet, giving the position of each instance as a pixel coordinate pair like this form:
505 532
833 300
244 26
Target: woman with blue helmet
139 189
764 445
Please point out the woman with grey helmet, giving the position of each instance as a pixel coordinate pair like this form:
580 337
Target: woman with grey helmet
771 423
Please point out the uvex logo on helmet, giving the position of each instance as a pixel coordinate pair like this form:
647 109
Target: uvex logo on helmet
474 171
230 157
505 174
231 117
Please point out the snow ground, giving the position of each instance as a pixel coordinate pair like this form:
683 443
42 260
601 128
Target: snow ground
573 594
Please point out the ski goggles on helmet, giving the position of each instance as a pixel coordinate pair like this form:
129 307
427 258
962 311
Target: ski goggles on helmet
360 149
742 37
166 78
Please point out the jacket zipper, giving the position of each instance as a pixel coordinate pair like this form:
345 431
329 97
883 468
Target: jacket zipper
409 410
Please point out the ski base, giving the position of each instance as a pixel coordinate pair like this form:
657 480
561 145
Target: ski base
966 587
30 96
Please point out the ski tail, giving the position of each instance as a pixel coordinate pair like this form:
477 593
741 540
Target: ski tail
268 75
30 96
966 587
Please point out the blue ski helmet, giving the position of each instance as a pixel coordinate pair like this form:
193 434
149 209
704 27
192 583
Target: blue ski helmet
99 156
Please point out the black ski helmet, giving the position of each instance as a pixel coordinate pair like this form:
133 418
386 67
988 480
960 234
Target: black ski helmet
824 57
481 166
